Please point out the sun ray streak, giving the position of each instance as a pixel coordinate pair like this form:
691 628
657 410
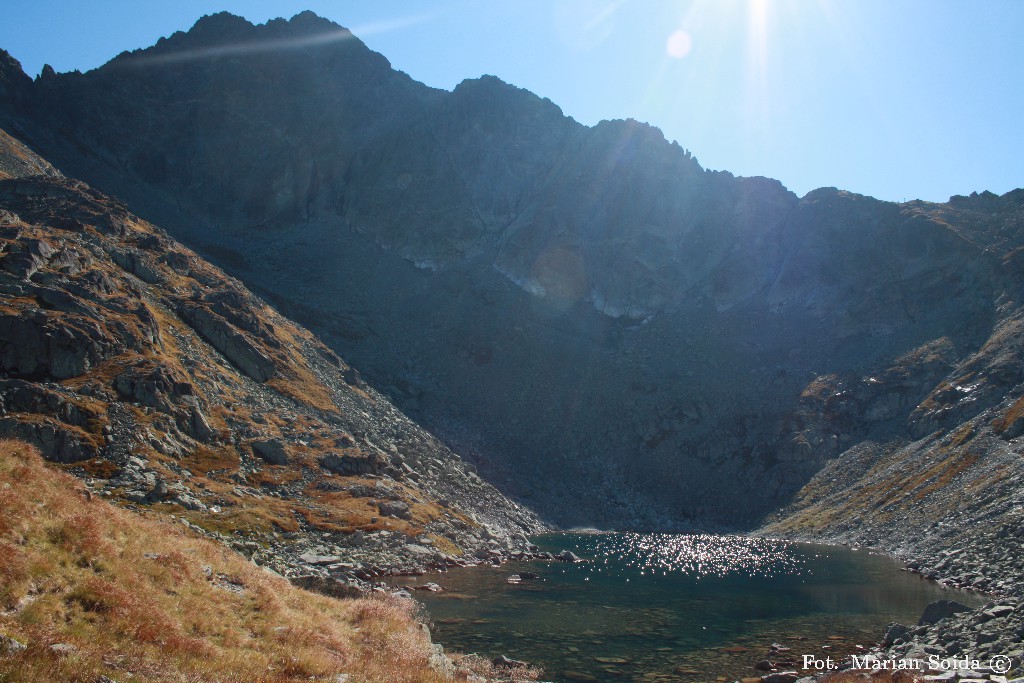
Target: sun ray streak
758 113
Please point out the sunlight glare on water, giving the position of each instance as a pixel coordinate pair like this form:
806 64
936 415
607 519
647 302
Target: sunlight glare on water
701 554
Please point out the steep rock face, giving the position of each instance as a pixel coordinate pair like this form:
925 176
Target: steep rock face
609 330
166 383
947 493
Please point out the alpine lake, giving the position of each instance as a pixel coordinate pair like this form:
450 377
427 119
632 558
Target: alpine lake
654 608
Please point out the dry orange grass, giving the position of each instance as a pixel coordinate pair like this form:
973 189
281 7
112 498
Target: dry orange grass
141 598
1013 414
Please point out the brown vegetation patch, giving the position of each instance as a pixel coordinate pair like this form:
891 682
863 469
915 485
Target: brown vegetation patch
99 467
248 517
1011 417
302 385
961 436
273 475
942 474
445 545
206 459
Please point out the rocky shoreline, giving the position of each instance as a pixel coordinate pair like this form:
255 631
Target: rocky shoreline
356 563
951 642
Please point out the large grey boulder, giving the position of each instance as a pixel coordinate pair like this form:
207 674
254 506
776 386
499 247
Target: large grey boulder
941 609
394 508
271 451
349 464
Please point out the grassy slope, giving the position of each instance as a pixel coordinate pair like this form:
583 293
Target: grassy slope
142 598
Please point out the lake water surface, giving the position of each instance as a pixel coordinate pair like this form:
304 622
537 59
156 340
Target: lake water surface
667 607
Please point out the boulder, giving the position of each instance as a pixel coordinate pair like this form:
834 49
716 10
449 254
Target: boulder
431 587
35 344
394 508
349 464
19 396
941 609
139 265
63 649
30 256
198 426
189 502
997 612
156 387
894 632
317 559
271 451
10 646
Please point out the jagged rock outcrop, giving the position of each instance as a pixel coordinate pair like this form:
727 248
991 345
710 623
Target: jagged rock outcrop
610 331
165 383
227 339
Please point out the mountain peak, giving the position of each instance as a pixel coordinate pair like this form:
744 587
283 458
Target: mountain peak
220 23
310 20
225 34
12 76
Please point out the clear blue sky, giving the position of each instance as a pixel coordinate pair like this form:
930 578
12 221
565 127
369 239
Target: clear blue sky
898 99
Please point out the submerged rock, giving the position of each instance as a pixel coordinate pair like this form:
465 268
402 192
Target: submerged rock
504 662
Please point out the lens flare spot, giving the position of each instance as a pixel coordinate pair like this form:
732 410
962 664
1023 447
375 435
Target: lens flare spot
562 275
679 44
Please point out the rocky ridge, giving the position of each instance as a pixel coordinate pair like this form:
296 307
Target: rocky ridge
169 387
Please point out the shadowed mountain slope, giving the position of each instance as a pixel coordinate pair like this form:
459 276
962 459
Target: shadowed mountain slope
169 386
